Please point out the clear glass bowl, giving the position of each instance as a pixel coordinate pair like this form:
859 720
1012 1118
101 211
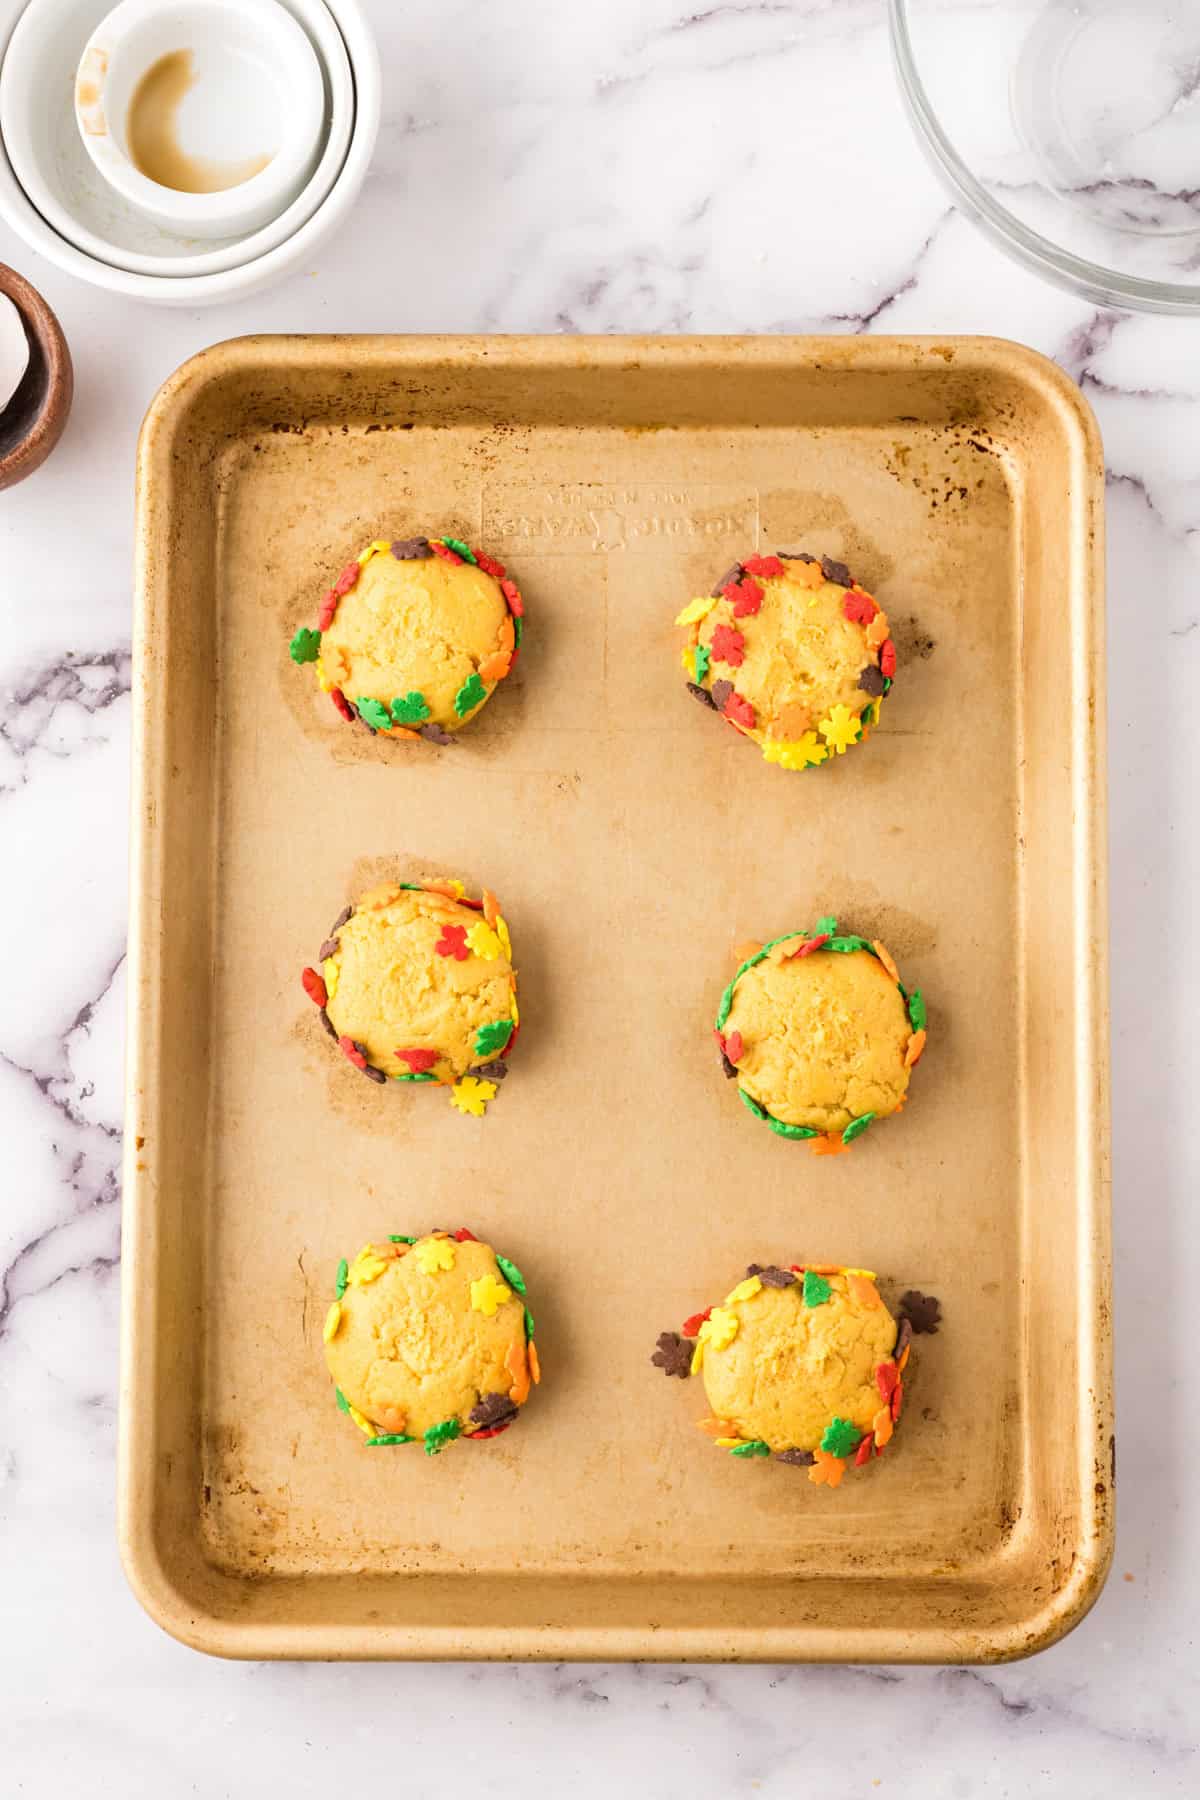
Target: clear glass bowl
1069 130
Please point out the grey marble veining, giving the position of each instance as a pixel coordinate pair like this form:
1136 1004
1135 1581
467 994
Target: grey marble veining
633 166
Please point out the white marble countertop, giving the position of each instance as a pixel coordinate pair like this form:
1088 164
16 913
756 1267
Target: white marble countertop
636 165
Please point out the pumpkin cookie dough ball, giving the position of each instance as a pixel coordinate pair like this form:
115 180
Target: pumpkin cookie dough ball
429 1339
821 1035
793 653
803 1363
414 636
416 983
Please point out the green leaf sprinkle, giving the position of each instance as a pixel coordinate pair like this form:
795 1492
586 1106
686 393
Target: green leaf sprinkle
342 1274
518 630
528 1323
511 1274
867 716
493 1036
410 708
438 1436
887 684
847 944
424 1075
816 1289
856 1127
343 1403
374 712
703 658
916 1010
305 647
751 1103
459 548
390 1437
396 1237
469 695
789 1131
825 927
753 1447
840 1437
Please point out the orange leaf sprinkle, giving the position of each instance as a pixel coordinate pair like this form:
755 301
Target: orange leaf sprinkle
517 1364
881 1426
496 666
878 630
535 1362
862 1290
916 1049
491 906
830 1144
886 960
743 951
827 1470
717 1427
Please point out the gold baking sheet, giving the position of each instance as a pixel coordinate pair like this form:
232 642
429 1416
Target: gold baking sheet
633 840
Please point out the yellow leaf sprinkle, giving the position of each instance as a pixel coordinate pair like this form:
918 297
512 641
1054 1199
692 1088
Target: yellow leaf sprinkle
515 1009
323 680
698 1353
803 752
744 1290
376 547
720 1328
471 1095
695 610
501 930
841 729
364 1424
867 1274
332 1325
488 1294
484 941
331 969
727 1443
367 1266
434 1255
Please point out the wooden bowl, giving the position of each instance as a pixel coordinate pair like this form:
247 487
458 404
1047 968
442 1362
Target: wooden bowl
32 422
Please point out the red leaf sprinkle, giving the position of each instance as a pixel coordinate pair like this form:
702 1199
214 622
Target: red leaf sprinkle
858 607
728 646
886 1377
809 945
887 658
734 1046
453 942
512 594
489 565
748 599
343 705
692 1326
314 987
328 608
463 1236
863 1453
897 1399
351 1051
444 551
419 1061
769 567
347 579
473 1437
739 711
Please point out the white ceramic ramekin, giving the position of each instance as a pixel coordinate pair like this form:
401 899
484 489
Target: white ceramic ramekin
209 287
46 152
258 91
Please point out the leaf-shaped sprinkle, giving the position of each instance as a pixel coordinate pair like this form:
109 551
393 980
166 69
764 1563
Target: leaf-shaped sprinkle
305 647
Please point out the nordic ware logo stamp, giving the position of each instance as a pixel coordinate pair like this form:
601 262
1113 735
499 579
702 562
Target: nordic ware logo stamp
601 518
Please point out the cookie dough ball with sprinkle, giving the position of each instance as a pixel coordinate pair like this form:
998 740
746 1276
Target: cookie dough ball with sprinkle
821 1035
414 636
416 983
804 1363
793 653
429 1339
